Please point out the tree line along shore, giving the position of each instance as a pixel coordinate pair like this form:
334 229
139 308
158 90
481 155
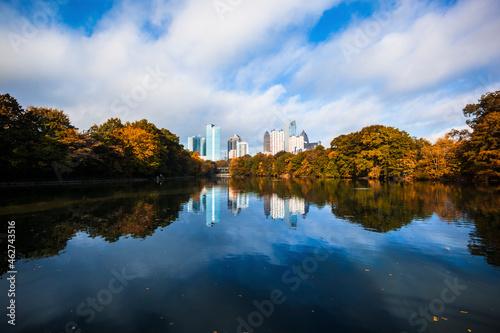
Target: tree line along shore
40 143
382 152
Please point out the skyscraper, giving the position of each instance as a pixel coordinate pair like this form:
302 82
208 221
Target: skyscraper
296 144
203 147
191 143
290 129
277 141
232 146
267 142
196 143
304 135
231 143
293 128
213 142
241 148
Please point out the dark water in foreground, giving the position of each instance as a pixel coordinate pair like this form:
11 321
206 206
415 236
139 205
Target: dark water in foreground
253 256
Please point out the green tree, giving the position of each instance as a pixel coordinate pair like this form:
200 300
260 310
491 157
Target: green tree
12 133
281 160
109 148
46 129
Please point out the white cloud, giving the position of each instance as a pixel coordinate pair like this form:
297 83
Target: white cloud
254 69
435 136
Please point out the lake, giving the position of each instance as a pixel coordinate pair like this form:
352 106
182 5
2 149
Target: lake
253 256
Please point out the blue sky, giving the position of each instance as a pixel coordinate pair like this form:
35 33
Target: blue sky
250 65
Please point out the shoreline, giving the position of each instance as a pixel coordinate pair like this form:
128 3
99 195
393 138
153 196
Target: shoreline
84 181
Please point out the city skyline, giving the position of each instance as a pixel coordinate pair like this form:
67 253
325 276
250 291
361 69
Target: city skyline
209 149
340 66
272 143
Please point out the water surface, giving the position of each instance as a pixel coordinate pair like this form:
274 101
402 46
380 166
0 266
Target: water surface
254 256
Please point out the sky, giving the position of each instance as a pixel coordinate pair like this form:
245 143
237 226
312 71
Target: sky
248 66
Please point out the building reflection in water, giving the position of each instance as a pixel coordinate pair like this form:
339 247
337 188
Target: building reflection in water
285 209
197 203
213 195
267 205
208 201
236 201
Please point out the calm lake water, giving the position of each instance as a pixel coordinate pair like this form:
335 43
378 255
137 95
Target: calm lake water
253 256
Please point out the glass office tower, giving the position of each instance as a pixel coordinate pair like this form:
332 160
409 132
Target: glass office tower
196 143
213 142
290 130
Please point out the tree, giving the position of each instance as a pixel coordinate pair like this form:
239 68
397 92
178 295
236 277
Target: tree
240 166
482 156
375 151
141 150
12 132
104 132
439 160
80 156
280 163
109 148
295 163
43 145
222 164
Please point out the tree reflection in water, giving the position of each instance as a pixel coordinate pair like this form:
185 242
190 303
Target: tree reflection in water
45 224
383 206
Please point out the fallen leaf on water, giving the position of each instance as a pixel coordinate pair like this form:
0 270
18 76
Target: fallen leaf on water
367 270
446 247
436 318
147 288
464 311
444 318
469 330
390 274
171 324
